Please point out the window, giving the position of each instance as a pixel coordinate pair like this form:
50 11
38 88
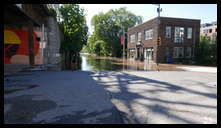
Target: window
179 35
178 52
149 34
189 33
139 36
207 30
132 38
175 52
167 51
181 52
216 29
188 52
210 30
168 32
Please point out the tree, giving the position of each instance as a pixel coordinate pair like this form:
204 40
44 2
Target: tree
108 28
75 33
206 52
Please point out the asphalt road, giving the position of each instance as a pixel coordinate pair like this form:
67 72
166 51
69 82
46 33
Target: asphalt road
110 97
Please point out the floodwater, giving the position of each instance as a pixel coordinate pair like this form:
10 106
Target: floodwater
93 63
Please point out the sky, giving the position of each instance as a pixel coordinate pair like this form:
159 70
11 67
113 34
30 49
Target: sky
205 12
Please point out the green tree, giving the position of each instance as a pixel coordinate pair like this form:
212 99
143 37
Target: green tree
74 31
206 52
108 28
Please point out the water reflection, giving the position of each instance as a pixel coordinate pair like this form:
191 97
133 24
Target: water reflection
92 63
98 63
85 65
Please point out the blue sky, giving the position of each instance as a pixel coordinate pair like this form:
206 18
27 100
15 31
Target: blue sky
205 12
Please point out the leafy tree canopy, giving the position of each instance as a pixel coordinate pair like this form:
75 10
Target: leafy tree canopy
74 28
108 28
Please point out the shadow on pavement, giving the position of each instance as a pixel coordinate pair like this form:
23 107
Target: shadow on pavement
82 100
124 95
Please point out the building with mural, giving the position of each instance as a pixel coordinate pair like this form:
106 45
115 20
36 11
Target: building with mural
31 35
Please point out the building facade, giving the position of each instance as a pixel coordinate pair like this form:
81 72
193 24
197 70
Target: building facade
178 39
209 30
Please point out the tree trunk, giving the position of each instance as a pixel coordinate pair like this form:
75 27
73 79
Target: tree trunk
69 60
63 60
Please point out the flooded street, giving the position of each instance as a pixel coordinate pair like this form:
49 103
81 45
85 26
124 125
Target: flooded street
94 63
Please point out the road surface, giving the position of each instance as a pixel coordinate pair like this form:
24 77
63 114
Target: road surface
103 97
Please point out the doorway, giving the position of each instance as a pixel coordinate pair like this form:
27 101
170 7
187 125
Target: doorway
148 53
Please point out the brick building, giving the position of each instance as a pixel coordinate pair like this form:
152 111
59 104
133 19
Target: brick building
179 38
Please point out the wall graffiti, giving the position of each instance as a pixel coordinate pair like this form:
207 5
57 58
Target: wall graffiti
16 43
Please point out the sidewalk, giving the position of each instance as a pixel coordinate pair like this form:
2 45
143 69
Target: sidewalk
13 68
199 69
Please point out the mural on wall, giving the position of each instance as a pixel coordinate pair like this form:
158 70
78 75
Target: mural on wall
16 43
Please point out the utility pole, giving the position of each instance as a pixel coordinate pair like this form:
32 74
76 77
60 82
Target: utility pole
158 37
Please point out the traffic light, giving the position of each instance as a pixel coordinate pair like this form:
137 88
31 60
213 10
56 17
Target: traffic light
158 41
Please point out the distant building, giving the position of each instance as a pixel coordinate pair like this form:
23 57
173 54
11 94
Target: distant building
178 39
209 30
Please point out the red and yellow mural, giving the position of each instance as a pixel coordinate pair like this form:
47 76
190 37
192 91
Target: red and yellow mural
16 44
